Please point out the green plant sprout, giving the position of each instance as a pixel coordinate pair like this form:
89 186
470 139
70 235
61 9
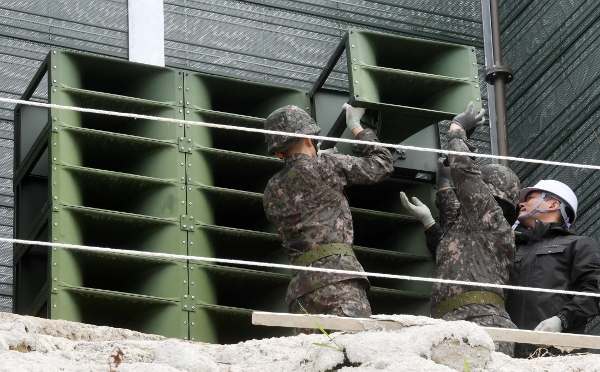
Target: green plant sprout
336 347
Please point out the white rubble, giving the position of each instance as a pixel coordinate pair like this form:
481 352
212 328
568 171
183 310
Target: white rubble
423 344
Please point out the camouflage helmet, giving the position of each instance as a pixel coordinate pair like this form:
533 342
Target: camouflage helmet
291 119
502 182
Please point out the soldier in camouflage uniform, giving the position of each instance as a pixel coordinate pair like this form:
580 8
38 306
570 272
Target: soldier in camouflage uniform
305 201
476 242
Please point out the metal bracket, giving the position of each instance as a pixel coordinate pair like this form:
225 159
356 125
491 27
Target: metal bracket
185 144
333 60
187 222
188 303
399 154
494 73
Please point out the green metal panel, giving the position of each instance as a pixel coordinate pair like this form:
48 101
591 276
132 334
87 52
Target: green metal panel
239 97
158 130
244 142
79 186
115 77
238 287
112 182
232 170
141 313
120 153
228 325
100 228
154 277
412 83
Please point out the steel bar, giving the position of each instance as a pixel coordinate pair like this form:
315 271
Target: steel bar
499 85
489 61
335 57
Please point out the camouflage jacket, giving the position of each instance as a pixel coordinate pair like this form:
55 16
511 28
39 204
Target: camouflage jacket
305 200
478 244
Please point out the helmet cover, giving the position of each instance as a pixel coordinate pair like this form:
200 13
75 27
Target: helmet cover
291 119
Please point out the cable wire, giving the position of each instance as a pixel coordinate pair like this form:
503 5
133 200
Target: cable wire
293 267
299 135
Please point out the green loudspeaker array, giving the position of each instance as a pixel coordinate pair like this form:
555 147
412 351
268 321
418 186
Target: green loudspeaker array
150 186
108 182
226 174
411 83
227 171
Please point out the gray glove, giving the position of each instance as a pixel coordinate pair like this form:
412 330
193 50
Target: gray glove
550 325
353 115
417 210
468 120
442 175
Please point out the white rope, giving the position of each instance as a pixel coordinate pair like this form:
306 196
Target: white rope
282 266
257 130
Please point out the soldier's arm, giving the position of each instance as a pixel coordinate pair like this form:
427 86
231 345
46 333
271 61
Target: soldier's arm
374 166
585 272
433 235
449 207
476 201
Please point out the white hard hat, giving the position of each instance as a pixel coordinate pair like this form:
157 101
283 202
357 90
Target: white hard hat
555 188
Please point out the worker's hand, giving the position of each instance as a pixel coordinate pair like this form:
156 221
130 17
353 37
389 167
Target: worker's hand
417 210
468 120
332 150
442 175
353 115
550 325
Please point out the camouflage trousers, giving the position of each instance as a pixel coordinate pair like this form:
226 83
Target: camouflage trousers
486 315
347 298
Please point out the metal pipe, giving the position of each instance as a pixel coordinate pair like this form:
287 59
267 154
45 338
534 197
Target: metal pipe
489 62
499 80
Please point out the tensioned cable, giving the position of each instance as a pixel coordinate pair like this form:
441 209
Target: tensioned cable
283 266
299 135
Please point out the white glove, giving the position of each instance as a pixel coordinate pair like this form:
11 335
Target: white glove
417 210
331 151
550 325
353 115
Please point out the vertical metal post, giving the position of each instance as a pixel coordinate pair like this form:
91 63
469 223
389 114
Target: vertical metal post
146 31
499 76
489 62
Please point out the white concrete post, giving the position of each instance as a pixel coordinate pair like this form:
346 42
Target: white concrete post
146 32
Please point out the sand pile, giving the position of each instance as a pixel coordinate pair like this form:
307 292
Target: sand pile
33 344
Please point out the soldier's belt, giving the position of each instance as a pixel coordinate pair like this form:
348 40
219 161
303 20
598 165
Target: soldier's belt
467 298
322 251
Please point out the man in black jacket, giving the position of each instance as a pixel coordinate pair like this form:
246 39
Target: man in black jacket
550 255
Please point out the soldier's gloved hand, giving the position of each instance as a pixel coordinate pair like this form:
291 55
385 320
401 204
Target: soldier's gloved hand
550 325
353 115
417 210
468 120
320 152
442 175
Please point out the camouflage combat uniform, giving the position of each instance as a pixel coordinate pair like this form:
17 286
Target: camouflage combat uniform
477 243
305 201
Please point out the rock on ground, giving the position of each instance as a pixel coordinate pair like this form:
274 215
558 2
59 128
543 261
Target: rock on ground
423 344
